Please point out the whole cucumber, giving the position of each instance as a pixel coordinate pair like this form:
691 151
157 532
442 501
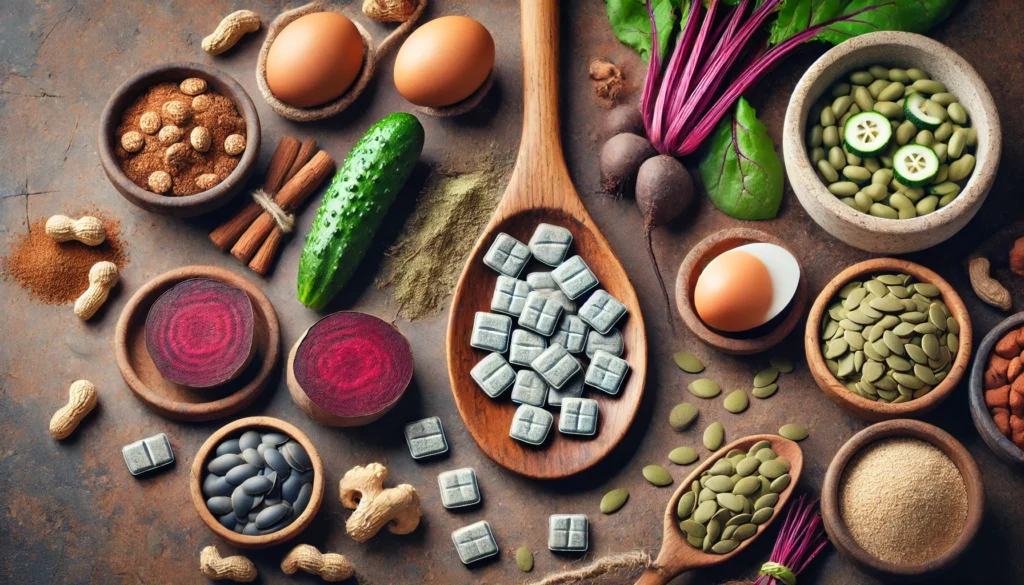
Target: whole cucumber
355 205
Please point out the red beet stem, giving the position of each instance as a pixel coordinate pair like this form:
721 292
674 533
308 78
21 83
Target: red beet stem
801 538
353 365
199 333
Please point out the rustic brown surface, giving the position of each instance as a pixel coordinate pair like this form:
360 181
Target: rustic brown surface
71 513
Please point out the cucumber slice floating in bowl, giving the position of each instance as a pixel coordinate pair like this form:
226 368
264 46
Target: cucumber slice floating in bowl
867 134
914 110
915 165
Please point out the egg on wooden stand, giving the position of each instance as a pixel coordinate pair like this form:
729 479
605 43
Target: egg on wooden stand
444 61
314 59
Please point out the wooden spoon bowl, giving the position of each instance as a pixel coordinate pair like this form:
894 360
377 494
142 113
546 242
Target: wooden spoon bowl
859 406
836 527
540 191
677 556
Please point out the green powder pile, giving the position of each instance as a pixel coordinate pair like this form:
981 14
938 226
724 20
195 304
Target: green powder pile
422 268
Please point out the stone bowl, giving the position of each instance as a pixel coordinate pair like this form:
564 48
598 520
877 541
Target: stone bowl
205 453
840 535
190 205
1004 448
859 406
861 230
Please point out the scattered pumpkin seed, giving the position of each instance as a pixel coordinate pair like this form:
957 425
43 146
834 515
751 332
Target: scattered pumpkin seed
682 416
704 388
713 436
688 362
682 455
765 377
736 401
793 432
765 392
657 475
615 499
524 559
782 364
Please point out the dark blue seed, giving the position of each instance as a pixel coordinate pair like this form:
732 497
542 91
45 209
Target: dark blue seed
229 446
296 456
252 457
303 500
274 439
214 485
240 473
241 502
260 484
272 515
291 486
251 530
277 461
228 520
219 505
261 448
249 440
222 464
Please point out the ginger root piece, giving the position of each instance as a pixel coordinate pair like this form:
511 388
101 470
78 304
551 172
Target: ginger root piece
362 490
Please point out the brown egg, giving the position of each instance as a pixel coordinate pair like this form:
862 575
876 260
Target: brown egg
444 61
734 292
314 59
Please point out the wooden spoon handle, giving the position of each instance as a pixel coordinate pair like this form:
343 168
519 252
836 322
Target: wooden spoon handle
655 577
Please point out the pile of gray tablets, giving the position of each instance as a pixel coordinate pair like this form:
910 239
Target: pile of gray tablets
540 355
258 483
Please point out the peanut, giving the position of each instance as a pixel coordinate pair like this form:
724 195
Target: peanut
236 568
389 10
200 139
102 277
132 141
193 86
169 135
159 182
207 181
82 399
201 103
362 489
86 229
232 28
234 144
177 112
149 123
329 566
987 288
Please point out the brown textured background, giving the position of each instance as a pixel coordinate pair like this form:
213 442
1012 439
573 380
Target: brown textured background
71 513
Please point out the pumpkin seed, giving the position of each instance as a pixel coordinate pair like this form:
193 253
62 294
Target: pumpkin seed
836 348
771 469
682 455
657 475
704 388
763 515
722 467
784 365
615 499
766 501
524 559
748 465
705 511
719 484
765 454
705 495
793 432
686 504
688 362
745 531
730 502
758 446
766 391
693 528
724 546
736 401
748 485
695 542
682 416
779 484
713 436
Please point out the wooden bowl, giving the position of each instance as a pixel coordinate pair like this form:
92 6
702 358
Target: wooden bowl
747 342
1004 448
861 407
180 402
840 535
190 205
195 482
895 49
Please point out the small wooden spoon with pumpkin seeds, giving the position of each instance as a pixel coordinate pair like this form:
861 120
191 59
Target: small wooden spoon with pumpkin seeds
677 555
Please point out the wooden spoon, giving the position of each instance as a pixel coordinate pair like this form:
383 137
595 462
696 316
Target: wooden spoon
540 191
677 556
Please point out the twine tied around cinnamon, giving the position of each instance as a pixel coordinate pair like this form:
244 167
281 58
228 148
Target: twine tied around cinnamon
284 220
372 53
624 567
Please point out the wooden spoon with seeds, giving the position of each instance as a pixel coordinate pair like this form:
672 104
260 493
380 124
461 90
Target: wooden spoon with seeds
541 191
677 556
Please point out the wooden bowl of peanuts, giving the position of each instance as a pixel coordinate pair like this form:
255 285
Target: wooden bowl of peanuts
186 158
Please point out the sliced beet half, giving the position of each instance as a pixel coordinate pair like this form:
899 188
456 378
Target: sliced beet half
349 369
200 333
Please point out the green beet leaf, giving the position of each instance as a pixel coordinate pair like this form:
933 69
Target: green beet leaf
632 25
740 169
905 15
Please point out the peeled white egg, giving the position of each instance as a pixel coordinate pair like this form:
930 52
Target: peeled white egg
784 271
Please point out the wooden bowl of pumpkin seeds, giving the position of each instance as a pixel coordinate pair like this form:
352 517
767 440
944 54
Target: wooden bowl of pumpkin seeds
887 338
926 154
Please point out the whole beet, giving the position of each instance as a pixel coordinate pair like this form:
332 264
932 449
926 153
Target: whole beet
664 190
621 157
624 118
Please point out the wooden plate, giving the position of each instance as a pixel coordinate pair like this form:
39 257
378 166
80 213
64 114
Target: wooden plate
833 520
289 532
750 342
180 402
861 407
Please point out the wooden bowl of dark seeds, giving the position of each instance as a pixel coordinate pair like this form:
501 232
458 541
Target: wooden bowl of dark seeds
257 482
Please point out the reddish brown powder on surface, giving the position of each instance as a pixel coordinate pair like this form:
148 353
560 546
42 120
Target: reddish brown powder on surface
58 273
220 117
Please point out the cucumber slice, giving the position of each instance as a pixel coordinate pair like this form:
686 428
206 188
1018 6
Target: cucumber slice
867 134
913 109
915 165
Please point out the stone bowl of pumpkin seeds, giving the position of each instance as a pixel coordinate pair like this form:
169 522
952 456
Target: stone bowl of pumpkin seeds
887 338
891 142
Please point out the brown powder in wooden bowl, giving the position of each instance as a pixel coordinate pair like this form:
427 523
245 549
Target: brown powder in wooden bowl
903 500
185 164
57 273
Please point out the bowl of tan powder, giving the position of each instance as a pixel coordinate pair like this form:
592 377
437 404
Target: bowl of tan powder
903 499
179 139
